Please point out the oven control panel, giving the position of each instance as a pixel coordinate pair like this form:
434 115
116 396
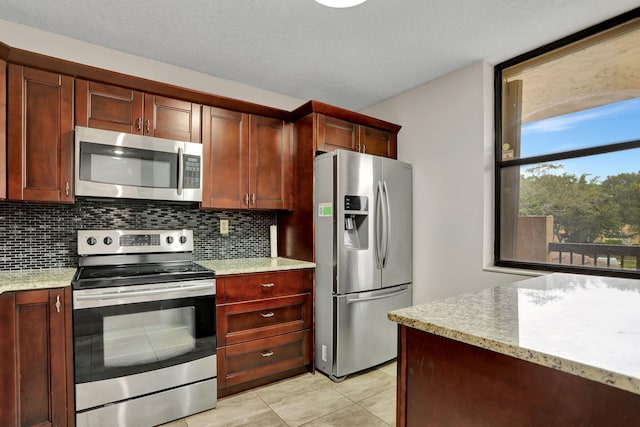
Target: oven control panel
106 242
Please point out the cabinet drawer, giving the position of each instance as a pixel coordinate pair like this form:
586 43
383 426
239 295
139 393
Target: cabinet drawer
247 287
260 358
247 321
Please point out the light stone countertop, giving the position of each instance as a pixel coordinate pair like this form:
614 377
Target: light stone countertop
226 267
35 279
587 326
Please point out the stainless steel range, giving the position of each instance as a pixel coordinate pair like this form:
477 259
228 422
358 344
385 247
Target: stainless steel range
144 328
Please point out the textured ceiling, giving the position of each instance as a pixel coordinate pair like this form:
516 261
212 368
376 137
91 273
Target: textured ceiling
352 58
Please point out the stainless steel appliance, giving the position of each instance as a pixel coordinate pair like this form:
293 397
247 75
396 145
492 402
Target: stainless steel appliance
144 328
118 164
363 258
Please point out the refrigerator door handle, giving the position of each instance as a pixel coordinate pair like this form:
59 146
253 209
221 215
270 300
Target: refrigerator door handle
352 300
387 225
379 226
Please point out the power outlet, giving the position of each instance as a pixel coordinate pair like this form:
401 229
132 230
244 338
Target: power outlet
224 226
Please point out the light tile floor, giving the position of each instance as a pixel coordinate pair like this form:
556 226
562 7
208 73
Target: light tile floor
367 399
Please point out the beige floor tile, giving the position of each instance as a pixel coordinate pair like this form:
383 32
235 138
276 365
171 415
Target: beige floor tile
292 387
246 409
302 407
390 368
382 405
178 423
351 416
363 385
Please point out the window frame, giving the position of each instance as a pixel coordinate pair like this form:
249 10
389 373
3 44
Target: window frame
562 45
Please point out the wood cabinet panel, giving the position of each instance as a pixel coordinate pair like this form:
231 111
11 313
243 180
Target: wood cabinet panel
264 328
108 107
225 136
247 161
247 287
171 118
377 142
40 135
446 382
260 358
334 133
35 379
256 319
269 163
120 109
3 129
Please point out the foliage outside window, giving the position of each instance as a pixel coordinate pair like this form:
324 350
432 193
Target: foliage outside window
568 153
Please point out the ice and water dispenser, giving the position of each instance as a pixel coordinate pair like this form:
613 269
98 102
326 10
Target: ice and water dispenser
356 222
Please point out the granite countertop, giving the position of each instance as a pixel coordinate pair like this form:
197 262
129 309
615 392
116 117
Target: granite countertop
225 267
35 279
583 325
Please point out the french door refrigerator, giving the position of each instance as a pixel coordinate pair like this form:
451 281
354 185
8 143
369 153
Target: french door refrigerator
364 246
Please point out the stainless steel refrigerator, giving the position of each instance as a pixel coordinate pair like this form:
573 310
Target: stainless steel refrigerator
364 246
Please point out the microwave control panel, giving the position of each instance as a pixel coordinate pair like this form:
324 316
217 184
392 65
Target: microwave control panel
191 171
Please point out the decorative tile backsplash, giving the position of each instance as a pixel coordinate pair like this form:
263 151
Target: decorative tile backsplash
37 236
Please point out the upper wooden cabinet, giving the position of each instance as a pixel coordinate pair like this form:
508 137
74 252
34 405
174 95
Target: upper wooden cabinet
3 129
333 133
124 110
40 135
247 161
36 376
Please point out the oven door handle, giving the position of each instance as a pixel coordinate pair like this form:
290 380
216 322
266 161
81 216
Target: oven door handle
142 293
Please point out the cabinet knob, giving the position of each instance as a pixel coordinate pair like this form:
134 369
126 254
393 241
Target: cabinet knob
253 198
267 354
267 285
364 148
58 303
246 199
147 126
139 124
266 315
67 188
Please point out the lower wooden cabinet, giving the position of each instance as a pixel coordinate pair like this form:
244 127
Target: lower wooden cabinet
264 328
36 372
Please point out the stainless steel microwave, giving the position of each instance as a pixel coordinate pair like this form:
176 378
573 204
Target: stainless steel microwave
122 165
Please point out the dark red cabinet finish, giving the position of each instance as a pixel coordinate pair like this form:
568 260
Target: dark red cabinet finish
36 376
264 328
40 135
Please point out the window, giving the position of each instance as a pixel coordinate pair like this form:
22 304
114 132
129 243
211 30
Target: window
568 153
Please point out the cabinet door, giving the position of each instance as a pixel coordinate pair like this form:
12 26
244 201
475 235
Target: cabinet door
34 376
334 133
225 136
377 142
40 135
171 118
108 107
3 129
269 164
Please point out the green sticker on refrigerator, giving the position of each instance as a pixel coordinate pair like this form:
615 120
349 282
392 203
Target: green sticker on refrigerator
325 209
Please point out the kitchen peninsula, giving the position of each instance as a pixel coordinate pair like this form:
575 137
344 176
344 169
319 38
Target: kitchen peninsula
557 350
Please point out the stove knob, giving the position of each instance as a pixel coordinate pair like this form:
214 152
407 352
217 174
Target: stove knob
92 241
169 239
183 239
107 240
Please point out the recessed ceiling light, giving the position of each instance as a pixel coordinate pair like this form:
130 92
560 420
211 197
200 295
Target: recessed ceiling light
340 3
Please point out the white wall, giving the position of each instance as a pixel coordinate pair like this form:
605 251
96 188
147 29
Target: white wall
46 43
447 135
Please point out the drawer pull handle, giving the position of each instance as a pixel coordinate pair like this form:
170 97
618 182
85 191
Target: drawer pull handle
267 354
267 285
269 314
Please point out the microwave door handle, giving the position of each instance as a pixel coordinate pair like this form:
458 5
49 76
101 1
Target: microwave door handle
180 170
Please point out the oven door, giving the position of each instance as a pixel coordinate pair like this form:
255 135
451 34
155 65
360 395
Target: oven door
134 340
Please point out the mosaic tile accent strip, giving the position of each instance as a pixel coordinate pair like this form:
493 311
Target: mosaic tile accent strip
36 236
